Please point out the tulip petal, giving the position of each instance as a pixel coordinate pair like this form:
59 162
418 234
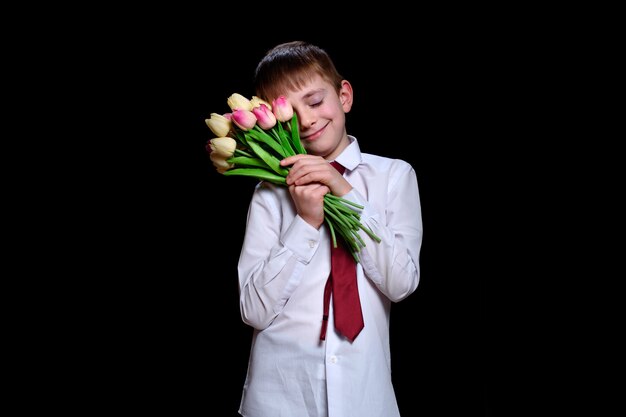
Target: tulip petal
238 102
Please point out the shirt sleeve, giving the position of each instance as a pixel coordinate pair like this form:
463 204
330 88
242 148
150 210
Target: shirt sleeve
272 261
393 263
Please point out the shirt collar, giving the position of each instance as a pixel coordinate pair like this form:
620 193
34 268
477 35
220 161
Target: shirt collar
350 158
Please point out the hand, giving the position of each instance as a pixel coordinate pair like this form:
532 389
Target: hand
308 169
309 202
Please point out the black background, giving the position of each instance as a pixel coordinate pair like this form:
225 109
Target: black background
177 343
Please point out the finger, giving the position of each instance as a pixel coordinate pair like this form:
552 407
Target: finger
290 160
307 166
311 177
303 175
324 173
301 158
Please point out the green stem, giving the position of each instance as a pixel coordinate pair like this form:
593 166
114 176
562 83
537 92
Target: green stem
344 231
369 233
343 200
241 152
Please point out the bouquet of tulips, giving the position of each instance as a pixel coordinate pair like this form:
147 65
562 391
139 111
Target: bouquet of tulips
253 138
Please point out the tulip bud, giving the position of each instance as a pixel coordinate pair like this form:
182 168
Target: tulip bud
218 124
282 109
256 102
224 146
220 162
238 102
264 116
245 119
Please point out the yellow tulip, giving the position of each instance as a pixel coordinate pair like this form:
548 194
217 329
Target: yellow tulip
223 146
218 124
220 163
256 102
239 102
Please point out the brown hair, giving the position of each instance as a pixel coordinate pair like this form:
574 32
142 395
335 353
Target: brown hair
289 66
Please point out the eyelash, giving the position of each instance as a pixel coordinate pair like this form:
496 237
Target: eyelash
316 104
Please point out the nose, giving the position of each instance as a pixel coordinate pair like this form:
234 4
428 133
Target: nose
306 119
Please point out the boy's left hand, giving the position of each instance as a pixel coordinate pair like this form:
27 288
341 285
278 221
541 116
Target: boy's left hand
308 169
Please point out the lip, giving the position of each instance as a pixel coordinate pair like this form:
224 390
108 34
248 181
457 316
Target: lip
315 135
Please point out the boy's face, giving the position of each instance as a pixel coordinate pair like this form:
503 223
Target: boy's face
321 114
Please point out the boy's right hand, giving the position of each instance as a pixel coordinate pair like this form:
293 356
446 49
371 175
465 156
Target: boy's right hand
307 169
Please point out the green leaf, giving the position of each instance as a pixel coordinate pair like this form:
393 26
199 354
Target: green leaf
241 137
271 161
285 139
295 135
259 134
248 161
261 174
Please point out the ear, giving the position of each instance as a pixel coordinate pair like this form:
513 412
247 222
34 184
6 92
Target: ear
346 96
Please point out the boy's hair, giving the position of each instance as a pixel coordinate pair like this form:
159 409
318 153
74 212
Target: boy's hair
289 66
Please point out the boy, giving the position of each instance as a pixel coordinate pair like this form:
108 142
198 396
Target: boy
300 363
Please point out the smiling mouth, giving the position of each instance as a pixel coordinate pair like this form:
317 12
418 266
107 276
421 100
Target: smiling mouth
315 134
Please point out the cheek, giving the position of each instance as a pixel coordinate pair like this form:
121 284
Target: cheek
331 111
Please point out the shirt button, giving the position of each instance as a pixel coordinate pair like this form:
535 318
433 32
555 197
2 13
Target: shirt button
333 359
312 243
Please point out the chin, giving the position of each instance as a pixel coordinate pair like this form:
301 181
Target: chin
315 149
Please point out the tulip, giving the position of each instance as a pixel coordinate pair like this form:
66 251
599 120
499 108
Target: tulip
239 102
282 109
218 124
245 119
256 102
220 162
264 116
223 146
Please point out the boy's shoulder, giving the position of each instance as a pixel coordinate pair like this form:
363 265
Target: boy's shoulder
385 163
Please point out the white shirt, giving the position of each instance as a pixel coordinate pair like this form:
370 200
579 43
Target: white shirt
283 268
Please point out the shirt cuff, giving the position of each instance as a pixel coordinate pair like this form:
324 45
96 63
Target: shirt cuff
302 239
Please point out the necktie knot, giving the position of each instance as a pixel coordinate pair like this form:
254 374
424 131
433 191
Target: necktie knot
338 167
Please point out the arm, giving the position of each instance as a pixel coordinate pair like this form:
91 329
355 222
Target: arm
277 247
393 264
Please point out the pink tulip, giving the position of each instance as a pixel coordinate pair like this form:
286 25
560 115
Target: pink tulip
245 119
264 117
282 109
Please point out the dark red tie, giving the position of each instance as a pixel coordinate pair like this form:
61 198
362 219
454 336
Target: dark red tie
343 286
